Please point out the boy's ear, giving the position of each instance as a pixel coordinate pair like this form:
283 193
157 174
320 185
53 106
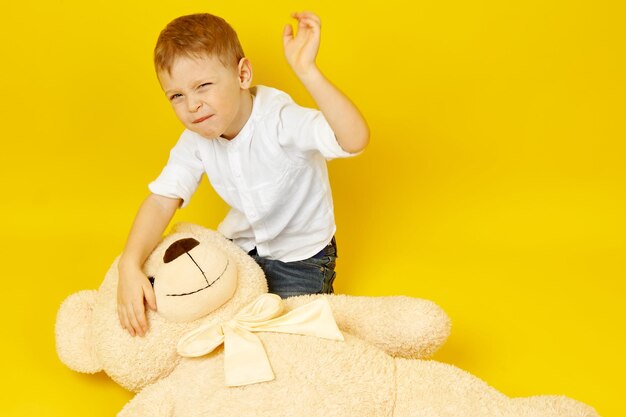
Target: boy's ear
245 72
74 339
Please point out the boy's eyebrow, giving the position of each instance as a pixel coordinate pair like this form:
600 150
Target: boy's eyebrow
200 81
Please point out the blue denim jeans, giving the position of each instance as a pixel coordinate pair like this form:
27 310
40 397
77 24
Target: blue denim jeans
308 276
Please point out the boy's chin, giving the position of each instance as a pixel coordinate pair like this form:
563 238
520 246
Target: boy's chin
206 134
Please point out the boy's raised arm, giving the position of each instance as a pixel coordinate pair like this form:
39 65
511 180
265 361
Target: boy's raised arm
152 218
344 118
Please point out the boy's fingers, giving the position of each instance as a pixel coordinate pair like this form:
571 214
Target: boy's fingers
287 32
121 316
134 324
125 322
307 15
308 23
314 19
140 317
150 297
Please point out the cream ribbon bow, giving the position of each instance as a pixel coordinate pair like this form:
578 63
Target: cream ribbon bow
245 359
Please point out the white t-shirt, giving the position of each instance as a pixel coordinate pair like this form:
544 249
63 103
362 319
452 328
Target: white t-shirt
273 175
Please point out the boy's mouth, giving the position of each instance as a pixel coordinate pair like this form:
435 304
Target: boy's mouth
202 119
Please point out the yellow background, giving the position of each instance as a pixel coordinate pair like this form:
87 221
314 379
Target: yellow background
494 183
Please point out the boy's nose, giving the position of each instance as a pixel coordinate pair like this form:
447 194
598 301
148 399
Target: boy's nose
193 104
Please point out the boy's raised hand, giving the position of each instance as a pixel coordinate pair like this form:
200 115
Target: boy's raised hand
301 49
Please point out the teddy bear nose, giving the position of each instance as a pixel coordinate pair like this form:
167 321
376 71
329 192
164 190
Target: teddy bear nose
180 247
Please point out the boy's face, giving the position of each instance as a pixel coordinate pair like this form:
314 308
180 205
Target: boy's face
207 97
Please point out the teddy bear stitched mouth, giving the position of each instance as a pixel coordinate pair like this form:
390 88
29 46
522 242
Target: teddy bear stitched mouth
205 278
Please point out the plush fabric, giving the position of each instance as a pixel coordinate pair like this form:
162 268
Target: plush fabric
379 369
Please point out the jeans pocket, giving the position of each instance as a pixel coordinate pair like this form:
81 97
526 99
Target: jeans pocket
329 278
324 262
327 271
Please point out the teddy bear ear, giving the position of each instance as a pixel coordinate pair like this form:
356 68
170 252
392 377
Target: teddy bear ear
74 339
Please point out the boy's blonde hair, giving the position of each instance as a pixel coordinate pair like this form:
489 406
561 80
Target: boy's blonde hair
197 36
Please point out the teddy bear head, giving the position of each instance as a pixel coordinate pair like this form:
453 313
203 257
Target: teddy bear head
199 277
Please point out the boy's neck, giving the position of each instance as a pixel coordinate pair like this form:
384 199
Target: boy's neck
245 111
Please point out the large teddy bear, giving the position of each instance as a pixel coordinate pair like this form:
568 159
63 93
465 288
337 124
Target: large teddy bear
219 345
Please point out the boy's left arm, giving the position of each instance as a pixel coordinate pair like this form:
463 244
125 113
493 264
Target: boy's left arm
344 118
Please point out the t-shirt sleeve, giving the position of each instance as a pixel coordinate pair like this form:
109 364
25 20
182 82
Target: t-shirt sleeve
182 174
305 130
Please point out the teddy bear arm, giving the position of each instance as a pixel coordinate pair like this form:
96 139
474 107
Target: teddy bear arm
155 401
401 326
73 332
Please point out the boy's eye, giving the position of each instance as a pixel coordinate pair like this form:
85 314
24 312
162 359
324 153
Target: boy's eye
173 96
205 84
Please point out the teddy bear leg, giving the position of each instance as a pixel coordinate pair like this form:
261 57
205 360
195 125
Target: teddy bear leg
434 389
153 401
551 406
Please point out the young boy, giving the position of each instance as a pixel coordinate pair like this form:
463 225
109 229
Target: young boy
263 154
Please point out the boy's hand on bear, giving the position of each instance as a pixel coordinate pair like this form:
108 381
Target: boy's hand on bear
133 286
301 49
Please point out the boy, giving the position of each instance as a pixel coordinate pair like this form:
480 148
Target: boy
263 154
